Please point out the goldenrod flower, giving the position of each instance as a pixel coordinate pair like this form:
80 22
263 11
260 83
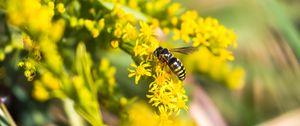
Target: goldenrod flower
57 30
89 24
108 72
133 4
140 114
50 81
146 31
200 40
60 7
29 69
159 80
73 21
174 21
39 92
164 115
139 71
216 67
123 101
95 32
130 33
173 9
114 44
101 23
235 79
139 50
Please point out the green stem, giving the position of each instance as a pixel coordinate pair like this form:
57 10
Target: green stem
7 115
127 47
3 121
94 118
74 118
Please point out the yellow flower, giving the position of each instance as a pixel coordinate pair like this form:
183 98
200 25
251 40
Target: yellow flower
214 35
101 23
190 15
236 78
123 101
200 40
139 71
139 50
226 55
130 33
51 4
114 44
176 35
73 21
51 54
139 114
27 42
39 92
35 16
174 21
95 32
29 69
89 24
81 22
118 32
61 8
146 32
164 116
169 94
92 11
50 81
57 30
173 9
133 4
159 80
108 73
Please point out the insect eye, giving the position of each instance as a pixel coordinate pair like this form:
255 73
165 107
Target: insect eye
155 52
158 51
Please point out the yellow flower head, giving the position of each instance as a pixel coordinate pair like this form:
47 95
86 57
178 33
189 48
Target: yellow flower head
39 92
61 8
173 9
147 31
114 44
139 71
130 33
164 116
138 49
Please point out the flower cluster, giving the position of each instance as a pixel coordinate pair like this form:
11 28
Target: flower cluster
42 25
29 69
166 91
141 114
52 32
215 68
204 32
30 13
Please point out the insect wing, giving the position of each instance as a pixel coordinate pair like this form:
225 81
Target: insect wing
184 50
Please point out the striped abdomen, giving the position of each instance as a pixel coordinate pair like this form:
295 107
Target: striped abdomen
174 64
177 67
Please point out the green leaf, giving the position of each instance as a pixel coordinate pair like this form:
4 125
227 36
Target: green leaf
83 66
283 24
84 114
3 121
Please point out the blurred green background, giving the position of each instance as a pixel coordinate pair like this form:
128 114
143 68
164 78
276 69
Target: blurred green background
269 50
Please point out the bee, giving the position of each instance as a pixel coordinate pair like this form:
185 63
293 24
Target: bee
176 66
